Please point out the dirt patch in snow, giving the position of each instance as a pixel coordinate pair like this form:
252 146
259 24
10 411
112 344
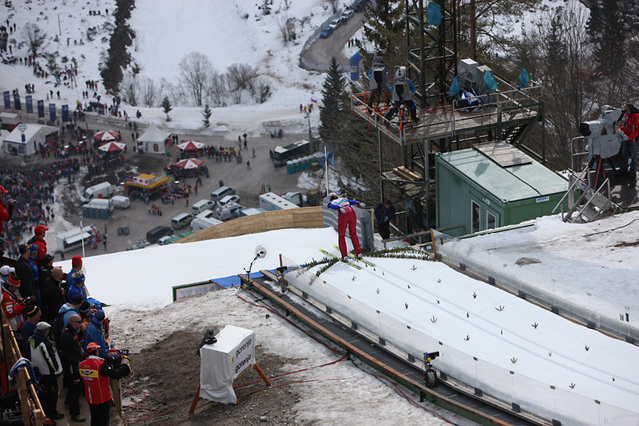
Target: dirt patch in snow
165 381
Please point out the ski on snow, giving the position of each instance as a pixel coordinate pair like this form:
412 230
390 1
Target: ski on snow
332 256
354 258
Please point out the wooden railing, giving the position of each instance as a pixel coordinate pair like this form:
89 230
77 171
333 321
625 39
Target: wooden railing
32 411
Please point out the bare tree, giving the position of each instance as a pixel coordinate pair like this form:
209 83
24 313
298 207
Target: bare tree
149 93
239 78
286 25
216 90
195 69
35 37
564 50
130 89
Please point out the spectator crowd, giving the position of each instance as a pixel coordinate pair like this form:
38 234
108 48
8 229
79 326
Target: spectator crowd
60 329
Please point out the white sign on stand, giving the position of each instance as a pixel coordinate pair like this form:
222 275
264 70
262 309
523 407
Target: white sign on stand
223 361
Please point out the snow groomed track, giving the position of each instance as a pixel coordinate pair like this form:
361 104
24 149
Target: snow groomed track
491 340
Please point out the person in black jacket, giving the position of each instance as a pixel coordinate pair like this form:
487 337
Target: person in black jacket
24 272
384 213
52 295
71 355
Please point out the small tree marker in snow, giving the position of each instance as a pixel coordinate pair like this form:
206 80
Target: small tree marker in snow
513 360
534 325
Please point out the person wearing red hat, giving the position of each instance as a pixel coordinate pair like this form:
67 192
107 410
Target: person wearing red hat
76 266
38 240
95 373
6 210
13 305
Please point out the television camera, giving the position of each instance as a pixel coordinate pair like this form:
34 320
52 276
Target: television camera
604 140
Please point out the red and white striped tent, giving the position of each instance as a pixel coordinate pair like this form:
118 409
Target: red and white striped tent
106 136
190 145
189 163
112 146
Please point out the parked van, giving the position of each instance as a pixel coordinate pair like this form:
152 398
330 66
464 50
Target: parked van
202 205
154 235
101 190
229 211
228 199
181 220
221 192
101 203
204 220
121 202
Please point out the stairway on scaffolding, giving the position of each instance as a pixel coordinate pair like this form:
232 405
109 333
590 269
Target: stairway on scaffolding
592 203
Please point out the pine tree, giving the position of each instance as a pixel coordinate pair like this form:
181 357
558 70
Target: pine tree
332 113
206 114
611 53
385 28
166 107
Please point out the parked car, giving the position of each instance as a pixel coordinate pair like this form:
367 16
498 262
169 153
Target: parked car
227 199
335 23
221 192
139 244
347 14
156 233
326 31
181 220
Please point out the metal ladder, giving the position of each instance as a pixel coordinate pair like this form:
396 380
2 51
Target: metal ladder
592 204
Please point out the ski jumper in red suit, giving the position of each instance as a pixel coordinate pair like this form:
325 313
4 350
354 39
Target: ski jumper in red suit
346 217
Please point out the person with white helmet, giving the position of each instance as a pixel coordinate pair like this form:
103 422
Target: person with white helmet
403 91
346 218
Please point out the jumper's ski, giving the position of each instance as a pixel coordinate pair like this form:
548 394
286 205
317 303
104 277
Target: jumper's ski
351 255
332 256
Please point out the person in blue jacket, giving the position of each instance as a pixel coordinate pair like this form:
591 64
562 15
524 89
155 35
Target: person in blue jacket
94 334
346 218
77 287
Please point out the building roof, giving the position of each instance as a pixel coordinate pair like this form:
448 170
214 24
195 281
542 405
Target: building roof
154 134
32 131
518 182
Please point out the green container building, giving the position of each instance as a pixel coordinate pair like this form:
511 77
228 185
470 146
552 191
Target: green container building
493 185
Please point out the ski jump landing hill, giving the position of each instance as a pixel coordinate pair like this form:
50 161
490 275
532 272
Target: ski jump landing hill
496 343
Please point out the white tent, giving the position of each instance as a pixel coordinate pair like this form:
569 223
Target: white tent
34 135
153 140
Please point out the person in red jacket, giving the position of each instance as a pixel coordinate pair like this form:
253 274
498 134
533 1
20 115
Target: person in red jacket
6 210
629 147
38 240
13 305
95 373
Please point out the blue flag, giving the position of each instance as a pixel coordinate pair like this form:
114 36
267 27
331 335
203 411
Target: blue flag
355 60
489 81
523 78
434 13
454 88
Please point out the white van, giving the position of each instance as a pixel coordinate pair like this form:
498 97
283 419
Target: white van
230 211
202 205
101 190
101 203
221 192
121 202
228 199
181 220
